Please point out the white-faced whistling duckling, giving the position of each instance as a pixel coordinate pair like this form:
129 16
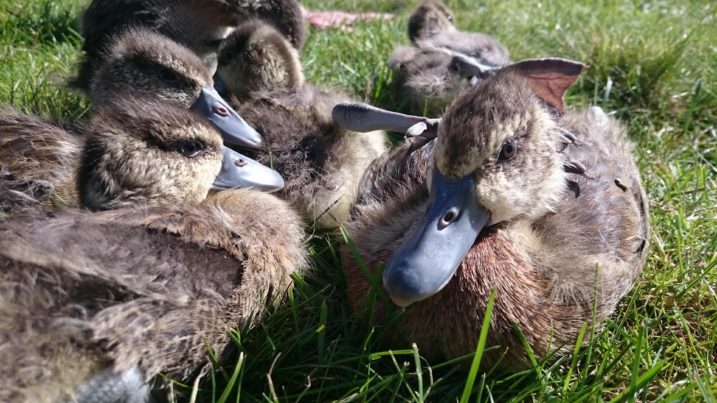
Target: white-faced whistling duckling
96 305
200 25
132 151
321 162
443 61
544 206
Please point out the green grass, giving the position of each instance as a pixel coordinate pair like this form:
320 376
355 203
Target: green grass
652 64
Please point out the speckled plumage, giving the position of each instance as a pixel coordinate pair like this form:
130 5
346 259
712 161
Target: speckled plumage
136 291
568 226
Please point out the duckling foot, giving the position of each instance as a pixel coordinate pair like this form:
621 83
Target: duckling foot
339 19
110 386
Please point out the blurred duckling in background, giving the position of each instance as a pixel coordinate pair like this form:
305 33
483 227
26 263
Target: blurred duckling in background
544 206
96 305
131 152
200 25
321 162
442 61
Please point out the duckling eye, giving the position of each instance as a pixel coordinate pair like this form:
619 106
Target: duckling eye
450 17
168 76
191 148
507 151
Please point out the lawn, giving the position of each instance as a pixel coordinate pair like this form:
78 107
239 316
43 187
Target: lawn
652 64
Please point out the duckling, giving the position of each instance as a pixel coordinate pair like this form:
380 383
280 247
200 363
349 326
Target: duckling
200 25
443 61
429 78
255 58
142 63
133 151
542 205
321 163
95 306
431 25
429 19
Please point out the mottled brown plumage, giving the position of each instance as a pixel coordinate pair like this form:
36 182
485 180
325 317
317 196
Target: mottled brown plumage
321 163
130 152
96 305
562 234
198 24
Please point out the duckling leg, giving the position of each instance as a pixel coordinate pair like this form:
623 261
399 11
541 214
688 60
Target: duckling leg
110 386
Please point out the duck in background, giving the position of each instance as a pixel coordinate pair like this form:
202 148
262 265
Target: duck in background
442 61
516 195
322 163
200 25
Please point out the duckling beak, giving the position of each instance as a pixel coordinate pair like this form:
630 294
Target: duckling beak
433 250
239 171
233 128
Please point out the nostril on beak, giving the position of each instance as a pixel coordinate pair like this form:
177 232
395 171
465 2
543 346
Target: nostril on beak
220 110
240 163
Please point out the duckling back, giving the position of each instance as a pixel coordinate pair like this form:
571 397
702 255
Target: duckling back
129 293
321 162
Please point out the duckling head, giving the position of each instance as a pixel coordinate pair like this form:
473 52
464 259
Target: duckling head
151 152
497 161
142 63
256 57
430 18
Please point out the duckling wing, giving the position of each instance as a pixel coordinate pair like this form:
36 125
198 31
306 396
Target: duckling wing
604 217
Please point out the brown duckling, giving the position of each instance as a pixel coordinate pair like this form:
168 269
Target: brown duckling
443 61
321 162
544 206
256 57
141 63
132 151
431 25
200 25
95 306
429 19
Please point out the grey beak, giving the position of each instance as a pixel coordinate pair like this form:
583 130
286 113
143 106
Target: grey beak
232 127
432 252
365 118
239 171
